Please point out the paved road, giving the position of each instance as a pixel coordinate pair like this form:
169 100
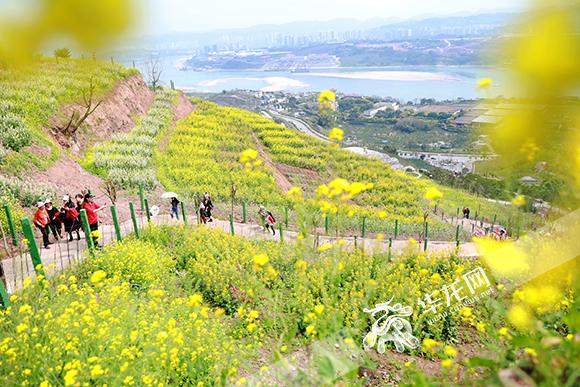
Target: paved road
298 124
64 254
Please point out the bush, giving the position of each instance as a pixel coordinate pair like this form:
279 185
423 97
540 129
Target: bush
139 263
14 133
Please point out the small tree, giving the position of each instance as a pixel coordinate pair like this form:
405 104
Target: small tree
154 72
62 53
110 190
77 118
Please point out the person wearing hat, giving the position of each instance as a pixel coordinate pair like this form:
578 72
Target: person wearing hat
41 220
55 224
207 208
92 208
268 220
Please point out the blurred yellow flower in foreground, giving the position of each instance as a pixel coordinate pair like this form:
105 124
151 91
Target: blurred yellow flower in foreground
294 192
260 259
519 200
326 100
520 318
433 193
336 134
324 247
98 276
504 258
484 83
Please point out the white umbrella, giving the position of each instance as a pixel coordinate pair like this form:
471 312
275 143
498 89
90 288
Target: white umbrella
168 195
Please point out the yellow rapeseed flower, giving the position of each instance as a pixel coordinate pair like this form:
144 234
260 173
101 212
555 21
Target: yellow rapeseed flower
519 317
98 276
326 100
530 351
484 83
294 192
433 193
260 259
450 351
70 377
428 343
336 134
324 247
519 200
318 309
447 363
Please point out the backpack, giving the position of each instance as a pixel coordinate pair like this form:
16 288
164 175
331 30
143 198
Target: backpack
271 218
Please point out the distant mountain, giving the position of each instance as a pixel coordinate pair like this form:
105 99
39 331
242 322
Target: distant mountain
303 33
441 26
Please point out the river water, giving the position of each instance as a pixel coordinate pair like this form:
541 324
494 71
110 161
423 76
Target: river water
406 83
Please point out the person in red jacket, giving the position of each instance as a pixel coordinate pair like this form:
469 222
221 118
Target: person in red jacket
41 220
92 208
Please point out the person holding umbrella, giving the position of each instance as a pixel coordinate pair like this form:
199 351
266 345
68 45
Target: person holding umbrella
174 211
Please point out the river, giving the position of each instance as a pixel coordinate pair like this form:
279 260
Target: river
406 83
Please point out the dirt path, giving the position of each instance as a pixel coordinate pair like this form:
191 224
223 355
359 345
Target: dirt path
64 253
280 178
183 109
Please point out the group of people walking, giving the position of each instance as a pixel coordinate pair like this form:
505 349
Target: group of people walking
66 219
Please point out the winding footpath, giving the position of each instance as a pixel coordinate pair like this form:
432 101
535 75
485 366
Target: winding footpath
64 253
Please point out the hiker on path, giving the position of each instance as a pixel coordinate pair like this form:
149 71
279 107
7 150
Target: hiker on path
92 208
201 212
71 219
174 208
41 220
268 220
55 224
208 207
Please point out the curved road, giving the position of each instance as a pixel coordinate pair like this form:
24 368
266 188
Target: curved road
296 123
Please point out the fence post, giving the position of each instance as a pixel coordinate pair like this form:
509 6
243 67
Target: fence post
4 299
281 234
116 223
364 226
34 253
232 224
494 218
325 224
390 244
11 227
458 212
87 230
396 228
244 211
147 210
286 216
183 213
142 201
134 219
355 242
457 235
426 236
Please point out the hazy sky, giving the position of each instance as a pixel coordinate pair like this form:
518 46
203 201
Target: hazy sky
202 15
